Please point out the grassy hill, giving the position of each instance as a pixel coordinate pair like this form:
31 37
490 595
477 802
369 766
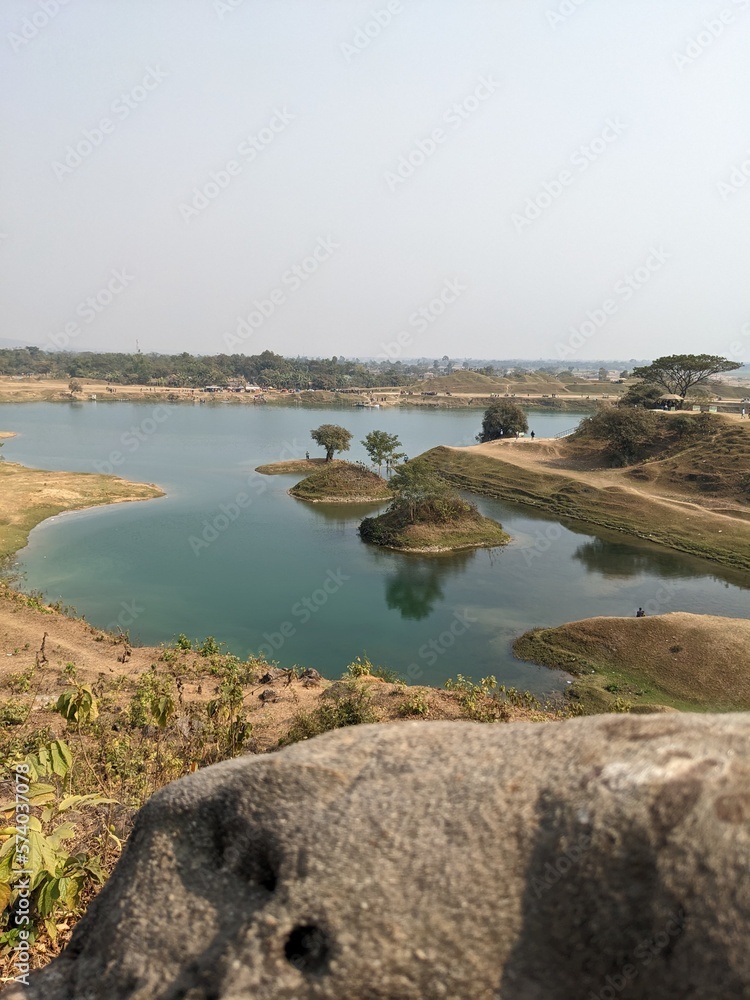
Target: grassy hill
716 466
705 455
342 482
679 660
609 505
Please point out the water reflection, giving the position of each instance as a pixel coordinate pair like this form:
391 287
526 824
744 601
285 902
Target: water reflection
343 513
622 560
415 588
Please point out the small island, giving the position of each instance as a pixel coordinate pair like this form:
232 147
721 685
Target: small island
335 481
427 515
342 482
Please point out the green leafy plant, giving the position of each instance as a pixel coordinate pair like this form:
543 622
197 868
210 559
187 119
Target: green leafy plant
153 701
209 647
414 706
359 668
13 712
79 705
57 877
489 701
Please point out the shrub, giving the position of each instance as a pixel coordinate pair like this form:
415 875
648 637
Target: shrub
13 712
628 434
209 647
489 701
415 705
351 709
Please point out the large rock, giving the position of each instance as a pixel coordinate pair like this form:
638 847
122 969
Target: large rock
597 858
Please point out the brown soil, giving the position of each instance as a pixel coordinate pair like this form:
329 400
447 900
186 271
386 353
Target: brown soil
98 657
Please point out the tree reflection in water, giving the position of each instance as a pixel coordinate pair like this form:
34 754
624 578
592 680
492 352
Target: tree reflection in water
415 587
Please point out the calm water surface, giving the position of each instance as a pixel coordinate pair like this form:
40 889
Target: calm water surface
294 578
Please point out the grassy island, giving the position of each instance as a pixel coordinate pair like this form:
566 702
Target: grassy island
342 482
29 496
679 661
427 515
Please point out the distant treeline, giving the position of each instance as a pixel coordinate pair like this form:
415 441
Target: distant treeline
173 370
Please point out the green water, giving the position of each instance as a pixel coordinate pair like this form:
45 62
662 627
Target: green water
228 553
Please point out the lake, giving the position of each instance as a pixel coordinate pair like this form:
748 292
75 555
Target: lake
274 573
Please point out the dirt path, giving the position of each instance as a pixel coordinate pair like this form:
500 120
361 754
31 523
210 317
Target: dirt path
546 455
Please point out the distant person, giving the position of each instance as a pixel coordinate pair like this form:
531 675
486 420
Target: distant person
307 456
640 613
533 435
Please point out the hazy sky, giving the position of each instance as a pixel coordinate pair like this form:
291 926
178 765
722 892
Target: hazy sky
307 175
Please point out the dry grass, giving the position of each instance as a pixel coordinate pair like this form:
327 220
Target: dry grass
680 660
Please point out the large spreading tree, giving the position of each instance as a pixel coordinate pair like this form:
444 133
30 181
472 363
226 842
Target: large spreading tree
503 419
332 438
678 373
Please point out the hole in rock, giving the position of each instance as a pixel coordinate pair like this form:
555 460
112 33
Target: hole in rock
307 949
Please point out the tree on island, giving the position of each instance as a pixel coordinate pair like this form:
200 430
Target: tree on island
503 419
75 386
332 438
678 373
419 489
381 447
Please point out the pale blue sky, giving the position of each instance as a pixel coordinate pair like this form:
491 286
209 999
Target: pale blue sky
186 84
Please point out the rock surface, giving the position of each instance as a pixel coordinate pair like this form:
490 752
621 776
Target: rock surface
598 858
